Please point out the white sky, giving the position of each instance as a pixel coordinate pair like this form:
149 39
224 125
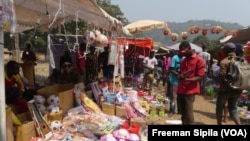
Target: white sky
233 11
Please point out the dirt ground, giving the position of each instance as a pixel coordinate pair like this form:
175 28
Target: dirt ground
204 106
204 110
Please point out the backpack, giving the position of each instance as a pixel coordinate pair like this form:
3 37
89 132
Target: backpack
238 73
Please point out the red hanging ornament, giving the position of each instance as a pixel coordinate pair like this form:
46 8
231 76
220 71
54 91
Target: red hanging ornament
166 31
213 30
234 33
174 36
184 35
204 31
225 34
218 29
191 30
196 29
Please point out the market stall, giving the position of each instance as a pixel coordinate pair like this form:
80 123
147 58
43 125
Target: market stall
18 16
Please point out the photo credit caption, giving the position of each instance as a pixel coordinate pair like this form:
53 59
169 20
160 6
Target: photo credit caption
199 132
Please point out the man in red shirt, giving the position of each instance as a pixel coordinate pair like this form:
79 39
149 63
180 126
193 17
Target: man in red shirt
192 70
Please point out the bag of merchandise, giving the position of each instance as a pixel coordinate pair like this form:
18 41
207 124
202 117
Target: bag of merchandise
238 76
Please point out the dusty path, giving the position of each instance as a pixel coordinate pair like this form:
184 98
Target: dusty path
204 110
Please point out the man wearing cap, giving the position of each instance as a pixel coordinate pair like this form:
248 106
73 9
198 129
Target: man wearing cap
225 92
192 70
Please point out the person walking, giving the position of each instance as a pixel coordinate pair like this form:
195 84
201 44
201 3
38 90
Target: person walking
192 70
173 83
149 64
207 58
227 94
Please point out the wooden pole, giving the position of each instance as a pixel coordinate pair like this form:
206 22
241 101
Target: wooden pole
2 89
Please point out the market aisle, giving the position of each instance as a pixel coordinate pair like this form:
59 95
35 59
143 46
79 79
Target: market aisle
204 110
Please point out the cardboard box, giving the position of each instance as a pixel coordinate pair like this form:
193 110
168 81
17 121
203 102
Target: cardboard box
120 111
9 125
139 121
63 91
108 108
27 130
55 116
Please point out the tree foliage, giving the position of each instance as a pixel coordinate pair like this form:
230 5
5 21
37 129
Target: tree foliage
113 10
201 40
210 43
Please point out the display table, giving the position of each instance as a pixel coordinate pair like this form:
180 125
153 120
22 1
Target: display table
245 120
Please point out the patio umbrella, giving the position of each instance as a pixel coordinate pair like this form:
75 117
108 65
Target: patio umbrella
145 25
193 46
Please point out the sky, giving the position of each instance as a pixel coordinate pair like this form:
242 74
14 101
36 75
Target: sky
232 11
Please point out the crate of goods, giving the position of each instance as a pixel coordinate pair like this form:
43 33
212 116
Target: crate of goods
139 121
110 98
9 125
55 116
120 111
26 130
108 108
63 91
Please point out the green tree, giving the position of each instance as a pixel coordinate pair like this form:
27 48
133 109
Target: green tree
113 10
201 40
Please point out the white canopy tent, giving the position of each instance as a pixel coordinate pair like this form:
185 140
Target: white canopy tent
193 46
48 13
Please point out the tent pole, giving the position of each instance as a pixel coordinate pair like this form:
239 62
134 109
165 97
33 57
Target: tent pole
2 89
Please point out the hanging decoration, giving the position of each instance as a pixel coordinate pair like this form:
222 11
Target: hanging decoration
7 15
216 29
234 33
204 31
89 36
101 41
225 33
59 11
174 36
184 35
194 29
166 31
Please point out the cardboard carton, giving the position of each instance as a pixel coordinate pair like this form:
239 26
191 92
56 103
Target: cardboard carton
9 125
120 111
108 108
63 91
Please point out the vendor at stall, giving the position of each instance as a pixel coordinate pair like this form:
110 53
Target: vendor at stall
14 87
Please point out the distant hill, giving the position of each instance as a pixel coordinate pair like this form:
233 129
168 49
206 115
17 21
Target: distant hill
158 36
